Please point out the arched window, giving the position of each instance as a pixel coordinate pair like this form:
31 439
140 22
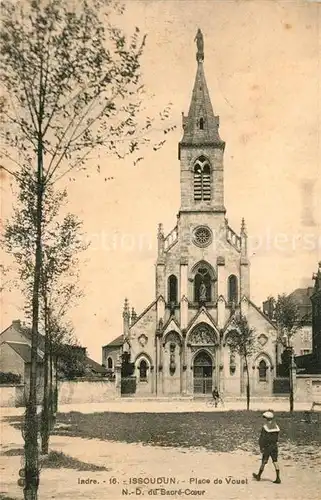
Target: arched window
109 363
262 370
172 289
232 289
201 123
143 370
202 180
202 284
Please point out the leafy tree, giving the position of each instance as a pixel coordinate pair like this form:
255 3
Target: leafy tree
71 83
241 340
288 320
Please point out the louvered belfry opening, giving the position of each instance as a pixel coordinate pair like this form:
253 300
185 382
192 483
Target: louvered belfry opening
202 180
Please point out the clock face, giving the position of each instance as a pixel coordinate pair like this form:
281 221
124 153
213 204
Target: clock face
202 236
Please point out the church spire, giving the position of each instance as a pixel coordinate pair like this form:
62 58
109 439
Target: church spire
201 125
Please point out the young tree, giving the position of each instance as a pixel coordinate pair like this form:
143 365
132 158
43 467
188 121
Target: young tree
65 356
241 340
288 320
71 82
59 293
58 282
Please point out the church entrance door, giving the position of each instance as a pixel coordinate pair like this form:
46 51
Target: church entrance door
203 369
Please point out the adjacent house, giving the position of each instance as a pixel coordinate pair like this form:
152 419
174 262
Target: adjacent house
311 363
302 340
15 354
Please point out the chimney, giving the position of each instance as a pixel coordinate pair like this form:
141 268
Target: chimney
16 323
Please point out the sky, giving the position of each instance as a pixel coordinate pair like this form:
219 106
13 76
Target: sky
263 66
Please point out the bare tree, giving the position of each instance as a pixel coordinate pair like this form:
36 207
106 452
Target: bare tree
241 340
72 83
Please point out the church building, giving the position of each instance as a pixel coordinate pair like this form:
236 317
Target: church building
179 342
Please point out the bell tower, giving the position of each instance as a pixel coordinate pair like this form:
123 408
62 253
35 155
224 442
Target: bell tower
201 148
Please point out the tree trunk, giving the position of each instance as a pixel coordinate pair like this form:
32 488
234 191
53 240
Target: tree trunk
45 415
291 396
56 387
31 420
51 406
247 386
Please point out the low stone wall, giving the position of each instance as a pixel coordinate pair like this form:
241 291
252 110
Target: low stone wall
308 388
87 391
12 395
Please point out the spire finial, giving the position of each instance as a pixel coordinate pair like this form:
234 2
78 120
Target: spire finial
126 307
133 315
200 46
243 226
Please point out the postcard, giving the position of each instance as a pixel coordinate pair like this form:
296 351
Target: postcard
161 249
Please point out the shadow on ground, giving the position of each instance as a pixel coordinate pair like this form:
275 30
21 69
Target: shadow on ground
58 460
217 432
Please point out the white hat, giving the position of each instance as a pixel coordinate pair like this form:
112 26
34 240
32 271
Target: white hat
268 414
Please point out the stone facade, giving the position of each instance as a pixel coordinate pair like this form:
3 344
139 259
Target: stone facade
179 343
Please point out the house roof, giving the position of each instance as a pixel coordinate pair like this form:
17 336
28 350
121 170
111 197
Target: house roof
117 342
94 366
301 297
27 332
23 350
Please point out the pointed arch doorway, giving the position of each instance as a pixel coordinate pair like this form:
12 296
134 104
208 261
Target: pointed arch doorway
203 373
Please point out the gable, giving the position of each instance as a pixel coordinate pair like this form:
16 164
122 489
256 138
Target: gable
19 333
12 334
144 320
202 316
259 321
172 326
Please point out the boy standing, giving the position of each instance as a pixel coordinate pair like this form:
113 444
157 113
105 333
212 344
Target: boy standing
268 443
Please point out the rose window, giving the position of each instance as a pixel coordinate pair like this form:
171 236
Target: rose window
202 236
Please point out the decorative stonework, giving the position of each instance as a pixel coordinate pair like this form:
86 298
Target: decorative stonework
142 339
202 335
262 339
173 337
196 348
202 236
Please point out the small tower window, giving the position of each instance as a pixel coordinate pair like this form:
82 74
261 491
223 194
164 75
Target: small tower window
172 289
202 123
232 289
202 180
262 371
109 363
